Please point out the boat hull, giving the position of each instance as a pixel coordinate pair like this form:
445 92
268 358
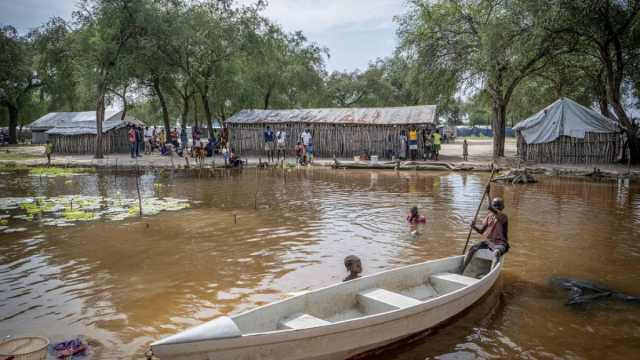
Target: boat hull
341 340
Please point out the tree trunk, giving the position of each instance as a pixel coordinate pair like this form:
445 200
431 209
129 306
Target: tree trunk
185 112
633 142
99 120
163 105
498 126
207 112
266 99
13 124
195 112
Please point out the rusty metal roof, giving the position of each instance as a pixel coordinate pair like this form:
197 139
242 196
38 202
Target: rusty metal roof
358 116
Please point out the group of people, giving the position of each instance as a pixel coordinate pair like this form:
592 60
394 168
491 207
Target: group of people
275 144
494 227
176 141
409 145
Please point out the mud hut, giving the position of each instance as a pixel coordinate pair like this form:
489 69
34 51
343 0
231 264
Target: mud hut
340 132
567 132
75 133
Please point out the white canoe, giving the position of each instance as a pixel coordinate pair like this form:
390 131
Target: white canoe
341 320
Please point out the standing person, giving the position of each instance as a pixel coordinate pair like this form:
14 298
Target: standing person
402 154
131 136
194 135
184 139
173 137
162 138
299 153
306 141
147 140
48 150
465 150
495 227
139 138
281 144
437 140
426 137
415 218
310 153
269 143
413 143
225 155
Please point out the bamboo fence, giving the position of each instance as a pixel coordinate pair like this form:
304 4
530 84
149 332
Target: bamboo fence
113 141
329 140
595 148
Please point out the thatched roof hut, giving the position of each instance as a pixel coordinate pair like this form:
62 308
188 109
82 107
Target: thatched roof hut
75 132
567 132
341 132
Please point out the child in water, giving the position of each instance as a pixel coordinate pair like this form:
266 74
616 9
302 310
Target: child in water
354 267
414 218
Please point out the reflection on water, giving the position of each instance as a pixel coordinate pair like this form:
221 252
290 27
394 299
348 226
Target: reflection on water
252 238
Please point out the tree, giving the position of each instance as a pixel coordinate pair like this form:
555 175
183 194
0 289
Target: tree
108 28
18 76
608 31
490 44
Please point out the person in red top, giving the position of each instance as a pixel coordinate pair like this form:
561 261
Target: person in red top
131 135
495 228
414 218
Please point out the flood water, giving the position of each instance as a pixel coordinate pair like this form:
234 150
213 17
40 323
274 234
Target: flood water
251 239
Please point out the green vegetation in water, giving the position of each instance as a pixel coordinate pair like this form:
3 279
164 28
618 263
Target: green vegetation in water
58 171
77 215
4 222
65 210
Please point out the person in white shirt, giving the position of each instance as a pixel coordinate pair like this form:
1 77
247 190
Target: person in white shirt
147 140
281 144
306 141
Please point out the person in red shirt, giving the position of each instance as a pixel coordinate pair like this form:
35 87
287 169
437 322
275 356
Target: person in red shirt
131 135
415 218
300 153
495 228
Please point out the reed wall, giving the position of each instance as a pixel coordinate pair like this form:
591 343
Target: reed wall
595 148
114 141
340 140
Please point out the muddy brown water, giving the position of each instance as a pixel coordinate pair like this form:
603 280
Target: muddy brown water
249 240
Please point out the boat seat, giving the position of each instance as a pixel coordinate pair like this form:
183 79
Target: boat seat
484 254
448 282
302 321
375 301
421 292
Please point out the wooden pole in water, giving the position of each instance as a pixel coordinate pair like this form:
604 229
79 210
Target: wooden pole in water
138 187
484 194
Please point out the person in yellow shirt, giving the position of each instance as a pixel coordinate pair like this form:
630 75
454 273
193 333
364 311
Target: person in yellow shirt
413 143
437 140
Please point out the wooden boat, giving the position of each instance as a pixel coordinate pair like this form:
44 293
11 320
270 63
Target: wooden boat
341 320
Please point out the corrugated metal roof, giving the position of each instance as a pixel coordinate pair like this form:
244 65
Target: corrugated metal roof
55 119
366 116
88 127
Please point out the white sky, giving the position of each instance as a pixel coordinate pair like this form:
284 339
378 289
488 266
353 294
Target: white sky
355 31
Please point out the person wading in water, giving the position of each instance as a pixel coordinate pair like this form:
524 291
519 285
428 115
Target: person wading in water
354 267
495 228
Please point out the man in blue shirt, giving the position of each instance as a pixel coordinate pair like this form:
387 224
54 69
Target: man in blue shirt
269 143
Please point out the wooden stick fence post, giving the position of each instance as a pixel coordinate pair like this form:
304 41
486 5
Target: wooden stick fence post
138 187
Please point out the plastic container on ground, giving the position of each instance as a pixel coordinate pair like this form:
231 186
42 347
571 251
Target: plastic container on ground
24 348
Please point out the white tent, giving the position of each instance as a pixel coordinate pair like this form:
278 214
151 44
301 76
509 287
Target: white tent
564 117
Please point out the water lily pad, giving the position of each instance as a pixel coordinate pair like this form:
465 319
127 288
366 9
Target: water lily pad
58 171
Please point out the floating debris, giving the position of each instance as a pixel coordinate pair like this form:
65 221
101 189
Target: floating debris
516 177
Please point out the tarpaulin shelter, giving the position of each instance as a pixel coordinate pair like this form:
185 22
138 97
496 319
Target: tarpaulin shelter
567 132
341 132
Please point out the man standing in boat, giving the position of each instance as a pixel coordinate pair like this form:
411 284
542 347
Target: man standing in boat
495 228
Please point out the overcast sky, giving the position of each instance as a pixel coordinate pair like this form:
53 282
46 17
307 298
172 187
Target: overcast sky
355 31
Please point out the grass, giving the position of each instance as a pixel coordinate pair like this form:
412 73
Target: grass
16 156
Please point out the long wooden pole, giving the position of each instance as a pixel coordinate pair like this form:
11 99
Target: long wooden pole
484 194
